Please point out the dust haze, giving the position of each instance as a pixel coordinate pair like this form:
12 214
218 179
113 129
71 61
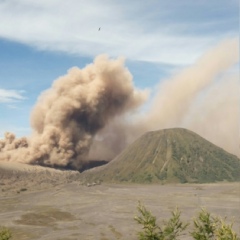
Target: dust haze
203 98
94 112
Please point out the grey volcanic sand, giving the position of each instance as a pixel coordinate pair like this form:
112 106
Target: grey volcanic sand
70 210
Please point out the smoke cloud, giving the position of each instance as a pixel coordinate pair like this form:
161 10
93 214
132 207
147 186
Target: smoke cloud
69 114
203 98
90 114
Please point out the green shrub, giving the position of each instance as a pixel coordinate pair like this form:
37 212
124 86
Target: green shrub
225 232
5 234
151 231
205 227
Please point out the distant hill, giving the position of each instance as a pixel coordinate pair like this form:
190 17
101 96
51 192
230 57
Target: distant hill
169 156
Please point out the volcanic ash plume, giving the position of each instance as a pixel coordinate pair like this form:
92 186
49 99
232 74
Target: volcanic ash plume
68 116
203 97
177 95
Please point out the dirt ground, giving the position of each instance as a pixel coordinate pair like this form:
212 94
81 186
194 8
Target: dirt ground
105 212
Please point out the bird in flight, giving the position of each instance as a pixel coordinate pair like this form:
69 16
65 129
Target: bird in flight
99 29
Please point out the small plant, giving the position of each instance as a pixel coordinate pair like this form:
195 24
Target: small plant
5 234
151 231
204 226
207 227
174 226
148 221
225 232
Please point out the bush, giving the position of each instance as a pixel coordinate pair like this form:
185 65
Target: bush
151 231
205 227
225 232
5 234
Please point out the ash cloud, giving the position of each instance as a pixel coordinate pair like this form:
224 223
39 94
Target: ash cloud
203 98
69 114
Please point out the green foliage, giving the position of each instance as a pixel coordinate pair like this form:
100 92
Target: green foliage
174 226
151 231
225 231
205 226
5 234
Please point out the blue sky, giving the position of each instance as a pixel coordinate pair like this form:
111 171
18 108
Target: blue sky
41 40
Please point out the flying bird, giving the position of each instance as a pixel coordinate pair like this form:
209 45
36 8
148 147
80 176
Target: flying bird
99 29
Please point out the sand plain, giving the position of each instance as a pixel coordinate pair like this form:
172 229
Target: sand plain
73 211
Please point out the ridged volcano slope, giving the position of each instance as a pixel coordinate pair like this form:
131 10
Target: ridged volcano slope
169 155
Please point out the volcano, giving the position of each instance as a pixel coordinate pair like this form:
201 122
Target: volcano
174 155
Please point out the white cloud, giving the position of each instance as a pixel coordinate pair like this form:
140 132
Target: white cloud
127 29
10 96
